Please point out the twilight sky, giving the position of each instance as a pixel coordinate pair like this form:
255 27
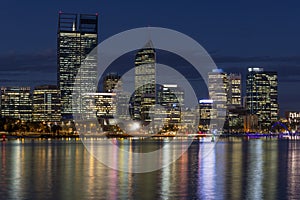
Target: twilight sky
236 34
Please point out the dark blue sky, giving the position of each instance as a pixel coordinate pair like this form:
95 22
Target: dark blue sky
236 34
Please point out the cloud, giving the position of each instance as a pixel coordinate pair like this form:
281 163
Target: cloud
24 62
253 59
24 69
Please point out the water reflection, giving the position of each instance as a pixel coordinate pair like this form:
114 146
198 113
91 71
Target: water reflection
233 169
206 174
293 172
255 171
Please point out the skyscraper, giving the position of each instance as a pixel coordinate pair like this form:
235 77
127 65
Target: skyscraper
218 92
77 36
46 104
262 97
205 112
235 112
171 98
234 90
16 103
145 88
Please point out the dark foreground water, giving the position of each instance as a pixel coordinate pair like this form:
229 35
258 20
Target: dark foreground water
236 169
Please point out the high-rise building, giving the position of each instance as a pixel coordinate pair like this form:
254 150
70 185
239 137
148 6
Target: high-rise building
234 97
218 92
205 112
46 104
103 107
110 81
171 98
262 97
16 103
77 36
145 84
235 112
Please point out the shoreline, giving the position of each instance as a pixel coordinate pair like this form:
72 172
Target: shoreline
8 136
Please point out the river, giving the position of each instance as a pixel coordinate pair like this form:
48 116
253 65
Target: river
234 169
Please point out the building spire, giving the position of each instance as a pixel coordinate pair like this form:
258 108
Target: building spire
149 45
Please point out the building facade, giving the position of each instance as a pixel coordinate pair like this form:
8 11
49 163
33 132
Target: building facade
145 83
110 81
234 97
262 97
235 110
171 99
218 92
293 119
77 36
16 103
46 104
205 113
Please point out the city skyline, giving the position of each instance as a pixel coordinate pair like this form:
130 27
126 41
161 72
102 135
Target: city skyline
25 61
149 99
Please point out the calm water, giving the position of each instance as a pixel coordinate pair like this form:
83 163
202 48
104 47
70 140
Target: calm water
236 169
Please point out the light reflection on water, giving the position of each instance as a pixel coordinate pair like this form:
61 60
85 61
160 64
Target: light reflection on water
60 169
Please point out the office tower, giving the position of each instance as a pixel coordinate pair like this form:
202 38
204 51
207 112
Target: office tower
16 103
122 105
104 108
234 90
77 36
189 120
235 112
205 113
110 81
262 95
145 88
171 98
218 92
102 111
46 104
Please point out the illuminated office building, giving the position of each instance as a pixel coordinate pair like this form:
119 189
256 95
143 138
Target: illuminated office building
235 110
205 113
110 81
16 103
77 36
262 97
123 105
46 104
145 88
218 92
171 98
103 107
293 119
234 97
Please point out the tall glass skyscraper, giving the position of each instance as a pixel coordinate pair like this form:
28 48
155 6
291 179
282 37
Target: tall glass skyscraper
218 92
262 97
77 36
145 88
